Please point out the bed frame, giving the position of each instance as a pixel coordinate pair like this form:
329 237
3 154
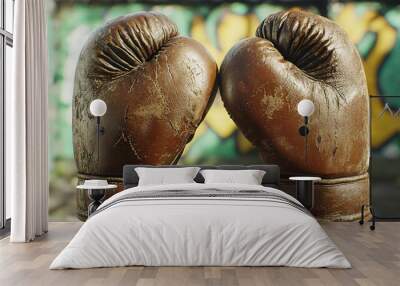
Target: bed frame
270 179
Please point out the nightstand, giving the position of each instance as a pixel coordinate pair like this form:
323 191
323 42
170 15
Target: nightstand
305 190
96 190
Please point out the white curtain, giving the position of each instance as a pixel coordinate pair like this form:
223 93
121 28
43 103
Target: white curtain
26 124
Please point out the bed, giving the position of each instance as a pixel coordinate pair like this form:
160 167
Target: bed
201 224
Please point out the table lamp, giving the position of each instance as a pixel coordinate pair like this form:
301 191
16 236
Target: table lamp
305 108
98 108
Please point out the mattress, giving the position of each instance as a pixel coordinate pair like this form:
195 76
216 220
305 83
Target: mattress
201 225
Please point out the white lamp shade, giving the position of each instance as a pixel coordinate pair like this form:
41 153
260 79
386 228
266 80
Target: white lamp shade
305 107
98 107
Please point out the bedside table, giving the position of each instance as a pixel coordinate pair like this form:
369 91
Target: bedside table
305 190
96 190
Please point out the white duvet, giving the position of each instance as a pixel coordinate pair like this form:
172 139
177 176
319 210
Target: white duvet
200 231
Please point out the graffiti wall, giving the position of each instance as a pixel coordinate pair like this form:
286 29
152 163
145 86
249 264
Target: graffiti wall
375 30
373 27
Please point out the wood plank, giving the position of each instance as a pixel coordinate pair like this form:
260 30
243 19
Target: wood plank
375 257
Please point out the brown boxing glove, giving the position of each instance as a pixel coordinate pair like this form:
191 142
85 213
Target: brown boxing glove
298 55
157 86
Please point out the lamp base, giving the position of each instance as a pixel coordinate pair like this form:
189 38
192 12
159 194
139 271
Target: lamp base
303 130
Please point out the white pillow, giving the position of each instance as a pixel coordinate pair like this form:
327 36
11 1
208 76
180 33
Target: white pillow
248 177
163 176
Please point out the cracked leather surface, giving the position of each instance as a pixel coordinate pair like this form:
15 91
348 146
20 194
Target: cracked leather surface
297 55
157 85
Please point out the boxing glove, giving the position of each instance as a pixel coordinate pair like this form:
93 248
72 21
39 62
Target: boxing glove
157 86
297 55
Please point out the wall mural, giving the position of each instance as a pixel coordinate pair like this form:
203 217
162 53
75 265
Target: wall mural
217 140
375 30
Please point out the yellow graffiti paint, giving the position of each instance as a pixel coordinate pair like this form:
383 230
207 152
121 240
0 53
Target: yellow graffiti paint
219 121
199 33
244 145
356 27
231 29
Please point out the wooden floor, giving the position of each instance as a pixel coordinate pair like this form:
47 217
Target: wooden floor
375 257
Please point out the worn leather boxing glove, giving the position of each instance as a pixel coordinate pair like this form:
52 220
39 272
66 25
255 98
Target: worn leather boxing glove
298 55
157 86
